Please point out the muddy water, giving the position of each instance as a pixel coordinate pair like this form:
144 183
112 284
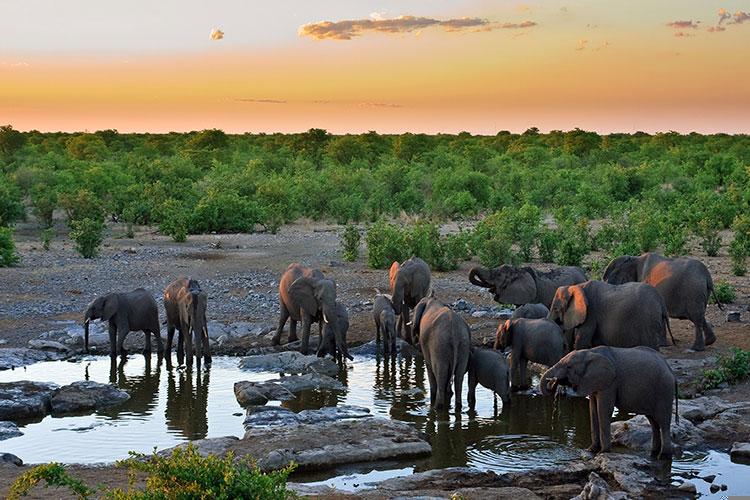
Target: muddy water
168 407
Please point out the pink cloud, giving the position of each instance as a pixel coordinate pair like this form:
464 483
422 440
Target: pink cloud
683 24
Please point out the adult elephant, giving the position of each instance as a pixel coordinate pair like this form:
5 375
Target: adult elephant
410 283
185 304
684 283
125 312
524 285
306 295
445 340
628 315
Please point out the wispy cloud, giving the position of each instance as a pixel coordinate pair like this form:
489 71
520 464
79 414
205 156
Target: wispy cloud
603 46
582 45
682 25
217 34
260 101
351 28
716 29
740 17
379 105
681 34
724 15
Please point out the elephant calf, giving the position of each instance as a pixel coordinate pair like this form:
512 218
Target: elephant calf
536 340
445 340
385 322
185 304
125 312
490 370
337 325
635 380
530 311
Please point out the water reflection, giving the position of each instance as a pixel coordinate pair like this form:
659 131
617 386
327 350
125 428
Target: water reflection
143 388
187 402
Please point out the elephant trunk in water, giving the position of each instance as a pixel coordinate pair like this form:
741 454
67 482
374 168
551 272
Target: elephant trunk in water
86 335
549 382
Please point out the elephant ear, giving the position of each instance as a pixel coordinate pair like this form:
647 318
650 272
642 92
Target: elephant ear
503 338
519 287
302 291
418 313
393 273
598 374
621 270
110 306
576 309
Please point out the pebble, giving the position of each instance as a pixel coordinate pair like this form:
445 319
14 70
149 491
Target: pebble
687 487
734 317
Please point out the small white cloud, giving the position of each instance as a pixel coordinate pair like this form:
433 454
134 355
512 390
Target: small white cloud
216 34
582 44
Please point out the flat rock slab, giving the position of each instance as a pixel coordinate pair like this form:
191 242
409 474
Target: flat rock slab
48 345
284 388
276 416
635 433
25 400
289 362
740 452
9 430
85 396
372 348
13 357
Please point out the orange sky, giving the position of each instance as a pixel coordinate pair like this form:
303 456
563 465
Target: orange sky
476 66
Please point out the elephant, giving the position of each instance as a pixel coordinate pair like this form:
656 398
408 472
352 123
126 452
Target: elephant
126 312
445 340
185 304
536 340
329 343
489 369
684 283
626 315
385 322
306 295
634 379
524 285
410 283
530 311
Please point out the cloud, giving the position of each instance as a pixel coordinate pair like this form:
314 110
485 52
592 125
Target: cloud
216 34
724 15
716 29
261 101
582 45
682 34
681 25
379 105
351 28
603 46
740 17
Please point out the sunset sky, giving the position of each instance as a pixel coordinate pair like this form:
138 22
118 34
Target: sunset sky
386 65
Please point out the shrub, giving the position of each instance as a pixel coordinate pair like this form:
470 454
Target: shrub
724 292
8 255
573 242
731 369
708 232
547 245
496 251
174 220
675 239
458 245
738 254
225 212
83 204
350 243
525 228
11 206
88 235
46 236
44 202
385 243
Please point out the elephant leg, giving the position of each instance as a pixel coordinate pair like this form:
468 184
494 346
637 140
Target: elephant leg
655 436
698 344
168 347
112 340
665 424
283 316
433 383
121 333
458 382
377 331
180 346
306 324
147 339
594 419
157 336
206 346
708 332
522 368
293 331
604 407
198 345
407 326
187 339
515 371
471 396
399 326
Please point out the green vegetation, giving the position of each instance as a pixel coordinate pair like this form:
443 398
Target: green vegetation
350 243
8 254
724 292
731 369
661 192
184 474
47 235
88 235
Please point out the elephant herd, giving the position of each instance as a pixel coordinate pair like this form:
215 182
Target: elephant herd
601 338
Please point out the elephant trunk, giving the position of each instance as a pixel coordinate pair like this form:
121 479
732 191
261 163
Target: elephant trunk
475 277
549 382
86 335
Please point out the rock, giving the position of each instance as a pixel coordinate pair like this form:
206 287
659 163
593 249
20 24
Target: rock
24 399
16 357
204 447
9 430
734 317
289 362
629 472
715 488
710 478
636 433
48 345
284 388
740 452
10 458
275 416
247 394
480 314
372 348
85 395
598 489
688 487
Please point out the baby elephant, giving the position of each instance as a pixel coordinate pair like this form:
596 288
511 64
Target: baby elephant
329 344
536 340
530 311
385 321
490 369
185 304
634 379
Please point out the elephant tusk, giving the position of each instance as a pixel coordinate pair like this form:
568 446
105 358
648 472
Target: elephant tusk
325 318
87 321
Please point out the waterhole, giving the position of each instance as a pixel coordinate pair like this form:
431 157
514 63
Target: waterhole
171 406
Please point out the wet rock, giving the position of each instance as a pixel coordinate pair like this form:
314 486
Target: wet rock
85 395
17 357
688 487
598 489
9 430
734 317
204 447
247 394
714 488
628 471
635 433
10 458
740 452
24 399
48 345
372 348
271 416
284 388
710 478
289 362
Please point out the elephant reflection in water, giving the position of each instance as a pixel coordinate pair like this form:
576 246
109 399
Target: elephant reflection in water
395 379
449 440
187 402
314 400
143 389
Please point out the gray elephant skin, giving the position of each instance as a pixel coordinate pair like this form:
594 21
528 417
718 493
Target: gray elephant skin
684 283
445 340
626 315
185 304
536 340
410 283
489 369
384 317
523 285
338 323
530 311
125 312
635 380
306 295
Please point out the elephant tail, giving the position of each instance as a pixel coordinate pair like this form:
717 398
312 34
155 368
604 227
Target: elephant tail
716 299
669 329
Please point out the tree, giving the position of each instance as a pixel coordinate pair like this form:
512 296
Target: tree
10 140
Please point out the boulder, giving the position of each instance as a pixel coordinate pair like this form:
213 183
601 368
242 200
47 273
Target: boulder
635 433
598 489
13 357
84 396
276 416
48 345
247 394
283 389
740 453
630 472
734 317
10 458
24 399
289 362
372 348
9 430
209 446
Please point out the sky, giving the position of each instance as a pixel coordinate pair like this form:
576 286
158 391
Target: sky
388 65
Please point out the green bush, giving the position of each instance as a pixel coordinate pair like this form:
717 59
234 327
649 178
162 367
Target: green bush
44 202
738 255
731 369
708 232
225 212
724 292
174 220
8 254
458 245
11 206
386 243
675 239
548 242
573 242
184 474
47 235
82 204
88 235
350 243
495 252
